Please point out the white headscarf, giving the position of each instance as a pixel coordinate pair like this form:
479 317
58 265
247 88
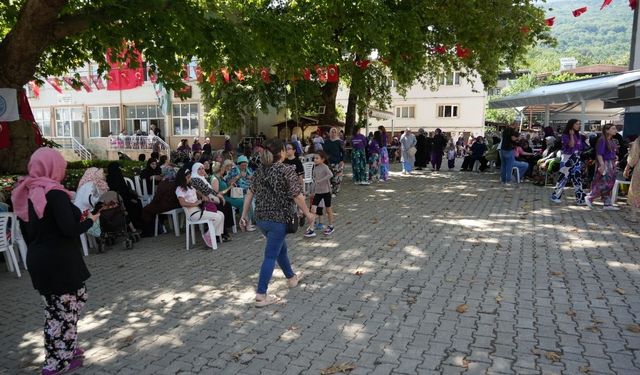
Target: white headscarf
194 172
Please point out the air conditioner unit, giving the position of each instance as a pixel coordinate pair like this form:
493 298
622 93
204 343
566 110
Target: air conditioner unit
321 110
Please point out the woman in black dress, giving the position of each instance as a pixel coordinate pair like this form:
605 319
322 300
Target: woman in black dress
130 198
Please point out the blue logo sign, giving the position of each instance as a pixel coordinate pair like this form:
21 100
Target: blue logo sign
3 106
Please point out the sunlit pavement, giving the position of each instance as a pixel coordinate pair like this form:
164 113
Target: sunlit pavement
433 273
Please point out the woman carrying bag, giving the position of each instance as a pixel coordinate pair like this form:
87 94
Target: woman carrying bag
277 190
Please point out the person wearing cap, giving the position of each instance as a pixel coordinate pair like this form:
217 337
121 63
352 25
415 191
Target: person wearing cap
240 176
228 147
206 148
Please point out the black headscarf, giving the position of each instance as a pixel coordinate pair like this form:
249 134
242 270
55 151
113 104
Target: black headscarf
116 182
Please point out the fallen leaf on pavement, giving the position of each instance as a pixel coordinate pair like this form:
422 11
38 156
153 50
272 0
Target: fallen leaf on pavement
571 312
359 273
374 221
558 274
338 368
585 369
462 308
635 328
293 328
347 223
236 356
552 356
392 243
620 291
594 328
498 298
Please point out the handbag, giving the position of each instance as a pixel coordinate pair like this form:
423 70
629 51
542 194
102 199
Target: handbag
292 220
412 151
204 206
237 192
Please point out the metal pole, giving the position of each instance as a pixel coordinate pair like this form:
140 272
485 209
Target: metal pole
583 115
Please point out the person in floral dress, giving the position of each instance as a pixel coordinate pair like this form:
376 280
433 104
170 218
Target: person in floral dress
633 162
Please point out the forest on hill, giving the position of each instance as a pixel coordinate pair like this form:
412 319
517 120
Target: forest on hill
597 36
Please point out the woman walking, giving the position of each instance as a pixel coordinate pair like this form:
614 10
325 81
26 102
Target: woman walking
51 227
358 158
374 156
421 151
437 149
605 175
570 163
384 154
276 188
633 197
334 147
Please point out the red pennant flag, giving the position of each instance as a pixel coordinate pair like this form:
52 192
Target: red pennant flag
550 21
69 81
239 75
55 83
306 74
86 83
580 11
184 74
225 74
97 81
461 52
333 73
264 73
35 88
605 3
440 49
121 76
322 74
199 74
362 64
525 29
212 77
633 4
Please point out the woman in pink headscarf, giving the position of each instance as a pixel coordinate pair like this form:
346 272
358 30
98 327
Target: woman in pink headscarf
90 188
51 227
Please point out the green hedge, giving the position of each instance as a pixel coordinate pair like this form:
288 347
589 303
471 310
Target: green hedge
75 170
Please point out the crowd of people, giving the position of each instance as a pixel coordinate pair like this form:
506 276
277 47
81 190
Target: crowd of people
265 186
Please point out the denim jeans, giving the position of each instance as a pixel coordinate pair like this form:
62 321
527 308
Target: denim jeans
506 165
522 168
275 250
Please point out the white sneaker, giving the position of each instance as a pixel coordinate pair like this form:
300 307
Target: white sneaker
365 183
611 208
556 200
588 202
251 228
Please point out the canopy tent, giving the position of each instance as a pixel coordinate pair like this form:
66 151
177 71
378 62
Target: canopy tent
599 88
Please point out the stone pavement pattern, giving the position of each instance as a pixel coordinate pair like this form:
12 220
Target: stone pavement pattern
544 289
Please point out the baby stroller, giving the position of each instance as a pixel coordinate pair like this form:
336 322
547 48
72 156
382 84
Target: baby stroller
114 221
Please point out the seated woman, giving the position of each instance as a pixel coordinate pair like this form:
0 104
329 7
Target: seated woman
476 153
151 173
218 182
188 198
240 176
200 183
163 200
523 153
130 198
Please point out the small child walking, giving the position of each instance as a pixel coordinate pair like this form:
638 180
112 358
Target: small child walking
322 182
451 155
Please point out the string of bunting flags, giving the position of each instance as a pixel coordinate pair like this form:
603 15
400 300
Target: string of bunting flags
633 4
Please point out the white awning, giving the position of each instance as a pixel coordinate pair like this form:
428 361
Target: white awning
570 92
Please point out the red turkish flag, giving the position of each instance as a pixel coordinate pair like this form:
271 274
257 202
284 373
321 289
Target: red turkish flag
122 76
362 64
525 29
306 74
86 83
69 81
239 75
5 138
225 74
550 21
35 88
633 4
55 83
199 74
461 52
322 74
97 81
212 77
264 73
605 3
580 11
440 49
333 73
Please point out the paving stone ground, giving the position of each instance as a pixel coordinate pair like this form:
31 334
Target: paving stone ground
545 289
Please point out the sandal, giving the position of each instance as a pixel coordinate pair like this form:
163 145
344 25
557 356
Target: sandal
269 299
293 281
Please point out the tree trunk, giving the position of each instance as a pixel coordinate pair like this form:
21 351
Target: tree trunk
329 93
14 159
350 123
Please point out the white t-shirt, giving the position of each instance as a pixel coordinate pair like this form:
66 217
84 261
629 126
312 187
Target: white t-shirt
189 194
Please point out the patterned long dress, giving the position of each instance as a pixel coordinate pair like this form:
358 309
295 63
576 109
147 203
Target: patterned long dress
633 161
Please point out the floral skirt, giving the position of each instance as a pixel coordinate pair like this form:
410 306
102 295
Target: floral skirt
602 184
358 164
61 328
374 166
384 164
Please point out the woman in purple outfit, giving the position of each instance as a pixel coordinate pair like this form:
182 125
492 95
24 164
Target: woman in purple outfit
570 164
605 176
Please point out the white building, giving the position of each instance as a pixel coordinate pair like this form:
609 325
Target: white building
457 106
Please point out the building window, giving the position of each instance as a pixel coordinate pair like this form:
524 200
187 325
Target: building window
43 118
104 121
405 112
141 117
494 91
185 119
449 79
448 110
69 122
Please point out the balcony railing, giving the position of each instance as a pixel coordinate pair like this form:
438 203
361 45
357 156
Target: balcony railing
69 143
137 142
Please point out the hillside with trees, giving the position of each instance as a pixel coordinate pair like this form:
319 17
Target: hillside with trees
597 36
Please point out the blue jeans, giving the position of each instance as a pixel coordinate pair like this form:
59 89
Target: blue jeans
522 168
275 250
506 165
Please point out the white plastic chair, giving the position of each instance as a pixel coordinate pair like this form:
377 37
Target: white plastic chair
191 230
141 189
476 166
174 220
308 176
234 229
85 244
515 169
130 182
19 240
6 244
616 187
